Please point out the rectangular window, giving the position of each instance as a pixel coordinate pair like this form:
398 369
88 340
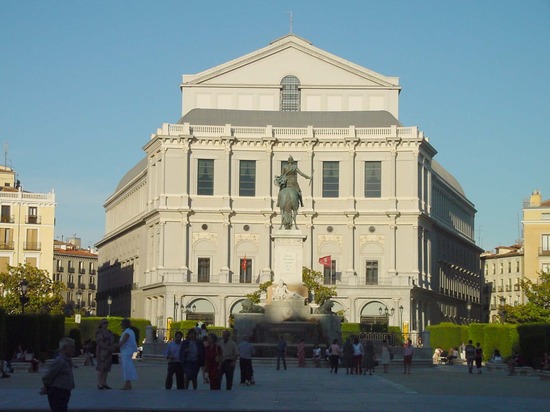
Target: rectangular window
329 274
6 239
245 271
372 272
6 214
509 267
33 215
373 179
331 178
517 266
32 240
247 178
204 270
205 180
545 243
546 267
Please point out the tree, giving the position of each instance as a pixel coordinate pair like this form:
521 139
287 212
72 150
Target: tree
255 296
537 309
44 294
314 282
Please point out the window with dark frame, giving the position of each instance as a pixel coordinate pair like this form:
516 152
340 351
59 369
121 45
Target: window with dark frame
247 178
290 94
205 177
371 272
245 271
331 179
329 274
373 179
203 270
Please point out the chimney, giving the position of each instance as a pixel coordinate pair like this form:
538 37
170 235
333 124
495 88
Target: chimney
536 199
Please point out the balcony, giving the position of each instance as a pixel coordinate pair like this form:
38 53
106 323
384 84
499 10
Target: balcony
6 245
91 286
500 288
82 271
508 288
544 251
92 304
33 220
60 269
70 285
516 288
32 246
7 218
81 286
92 272
70 270
493 306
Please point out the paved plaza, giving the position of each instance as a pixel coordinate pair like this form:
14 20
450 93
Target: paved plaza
442 388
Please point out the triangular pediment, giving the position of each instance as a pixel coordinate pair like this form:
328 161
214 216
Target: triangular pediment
292 55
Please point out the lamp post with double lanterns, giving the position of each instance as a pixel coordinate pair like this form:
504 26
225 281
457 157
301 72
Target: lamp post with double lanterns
189 309
23 298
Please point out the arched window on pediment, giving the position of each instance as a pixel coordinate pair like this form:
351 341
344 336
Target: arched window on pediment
290 94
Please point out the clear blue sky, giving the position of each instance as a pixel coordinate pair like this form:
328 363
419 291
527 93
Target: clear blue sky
83 84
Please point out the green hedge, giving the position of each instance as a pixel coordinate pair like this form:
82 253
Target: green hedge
88 327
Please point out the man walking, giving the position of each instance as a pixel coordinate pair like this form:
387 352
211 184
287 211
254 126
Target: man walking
172 353
230 353
470 351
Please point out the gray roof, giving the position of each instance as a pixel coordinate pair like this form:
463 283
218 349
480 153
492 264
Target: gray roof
255 118
132 173
447 177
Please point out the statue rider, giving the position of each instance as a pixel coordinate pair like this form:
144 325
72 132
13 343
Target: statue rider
289 177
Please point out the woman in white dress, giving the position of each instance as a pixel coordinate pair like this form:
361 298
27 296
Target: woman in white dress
128 346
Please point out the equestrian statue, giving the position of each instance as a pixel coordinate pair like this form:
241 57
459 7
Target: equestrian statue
290 194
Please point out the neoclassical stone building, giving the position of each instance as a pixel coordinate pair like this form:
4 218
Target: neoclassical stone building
188 229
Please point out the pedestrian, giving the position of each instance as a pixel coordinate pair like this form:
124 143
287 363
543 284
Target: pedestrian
470 352
192 358
281 352
59 380
462 351
385 358
175 367
316 355
127 346
478 357
368 358
301 353
105 343
408 352
213 361
334 351
230 353
358 353
347 355
246 351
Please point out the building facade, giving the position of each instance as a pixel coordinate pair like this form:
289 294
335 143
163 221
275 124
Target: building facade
503 273
76 268
27 222
536 236
188 229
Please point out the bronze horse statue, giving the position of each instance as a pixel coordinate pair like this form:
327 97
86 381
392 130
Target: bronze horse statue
288 201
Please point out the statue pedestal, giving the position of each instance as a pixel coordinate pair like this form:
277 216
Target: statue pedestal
287 310
288 256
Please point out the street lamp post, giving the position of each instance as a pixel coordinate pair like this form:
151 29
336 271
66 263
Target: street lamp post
109 303
78 299
469 309
176 306
190 309
24 299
